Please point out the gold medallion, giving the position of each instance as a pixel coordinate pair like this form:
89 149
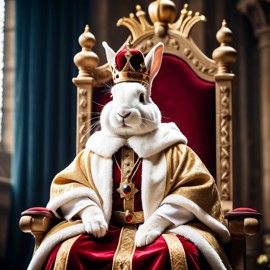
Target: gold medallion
127 190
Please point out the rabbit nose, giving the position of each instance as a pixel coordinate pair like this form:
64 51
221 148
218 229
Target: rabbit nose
124 111
124 114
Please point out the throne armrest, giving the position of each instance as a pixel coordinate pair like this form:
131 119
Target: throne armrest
241 223
37 221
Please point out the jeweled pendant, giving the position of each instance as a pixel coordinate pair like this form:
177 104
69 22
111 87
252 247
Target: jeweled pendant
127 190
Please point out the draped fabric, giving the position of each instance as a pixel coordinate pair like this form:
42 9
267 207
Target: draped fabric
87 252
45 106
174 176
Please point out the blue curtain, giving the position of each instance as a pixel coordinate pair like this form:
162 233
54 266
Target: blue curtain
46 39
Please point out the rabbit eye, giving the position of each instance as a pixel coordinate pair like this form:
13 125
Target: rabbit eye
142 98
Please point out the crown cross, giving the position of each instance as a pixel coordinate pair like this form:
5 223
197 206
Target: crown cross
128 66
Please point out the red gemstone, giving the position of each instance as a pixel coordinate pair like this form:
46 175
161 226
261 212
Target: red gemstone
128 74
126 189
128 218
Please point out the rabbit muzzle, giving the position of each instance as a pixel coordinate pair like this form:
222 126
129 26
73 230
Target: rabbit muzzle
127 117
124 112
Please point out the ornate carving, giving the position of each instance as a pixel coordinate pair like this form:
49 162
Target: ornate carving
162 14
187 20
206 69
174 43
82 117
174 34
225 144
224 57
136 27
197 63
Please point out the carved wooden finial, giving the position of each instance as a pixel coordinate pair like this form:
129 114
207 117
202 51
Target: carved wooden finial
162 13
224 34
86 60
224 55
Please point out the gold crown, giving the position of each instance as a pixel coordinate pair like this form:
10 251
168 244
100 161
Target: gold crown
130 67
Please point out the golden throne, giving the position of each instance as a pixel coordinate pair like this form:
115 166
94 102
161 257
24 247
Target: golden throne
198 99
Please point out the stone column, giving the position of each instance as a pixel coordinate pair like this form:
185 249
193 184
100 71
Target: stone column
258 14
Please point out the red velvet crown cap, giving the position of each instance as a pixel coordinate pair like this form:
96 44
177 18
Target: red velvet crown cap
130 67
136 60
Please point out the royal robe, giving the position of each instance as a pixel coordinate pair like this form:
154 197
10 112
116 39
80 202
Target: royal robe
172 178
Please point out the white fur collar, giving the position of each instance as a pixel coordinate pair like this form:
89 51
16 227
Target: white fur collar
146 145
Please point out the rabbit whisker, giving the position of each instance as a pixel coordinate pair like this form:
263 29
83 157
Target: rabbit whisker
148 120
139 126
166 117
93 127
95 113
93 120
94 117
109 85
97 103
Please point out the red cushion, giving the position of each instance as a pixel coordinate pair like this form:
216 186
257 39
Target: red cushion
242 213
38 211
243 209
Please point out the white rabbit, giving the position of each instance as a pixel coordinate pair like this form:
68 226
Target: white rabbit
131 112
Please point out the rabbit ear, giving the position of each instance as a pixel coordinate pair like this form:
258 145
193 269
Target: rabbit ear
153 60
110 53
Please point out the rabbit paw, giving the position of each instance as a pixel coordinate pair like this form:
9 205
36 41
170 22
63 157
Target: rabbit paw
146 236
151 230
94 221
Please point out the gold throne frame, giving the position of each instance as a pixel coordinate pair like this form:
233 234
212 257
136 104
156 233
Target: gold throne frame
178 42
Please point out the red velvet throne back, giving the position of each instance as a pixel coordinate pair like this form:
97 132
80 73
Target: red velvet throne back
188 101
